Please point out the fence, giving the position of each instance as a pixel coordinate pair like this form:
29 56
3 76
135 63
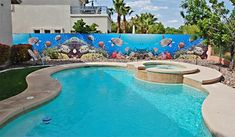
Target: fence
124 44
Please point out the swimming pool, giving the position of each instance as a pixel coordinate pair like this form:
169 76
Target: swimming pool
111 102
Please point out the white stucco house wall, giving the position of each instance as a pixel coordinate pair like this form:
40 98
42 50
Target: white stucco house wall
57 16
5 21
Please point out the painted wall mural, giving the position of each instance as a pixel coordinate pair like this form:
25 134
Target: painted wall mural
109 45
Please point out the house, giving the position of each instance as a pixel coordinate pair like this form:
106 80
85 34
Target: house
57 16
5 21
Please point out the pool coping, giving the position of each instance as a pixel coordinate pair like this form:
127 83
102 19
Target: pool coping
218 110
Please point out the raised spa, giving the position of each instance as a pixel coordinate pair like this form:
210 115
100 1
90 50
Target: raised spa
162 72
111 102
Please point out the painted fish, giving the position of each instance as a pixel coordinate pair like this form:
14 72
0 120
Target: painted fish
117 42
33 41
166 42
181 45
127 49
48 43
91 38
58 37
155 50
101 44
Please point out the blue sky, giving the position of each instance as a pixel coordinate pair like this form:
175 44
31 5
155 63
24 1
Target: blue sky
167 11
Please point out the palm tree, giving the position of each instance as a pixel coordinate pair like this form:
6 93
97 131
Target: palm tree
148 20
111 11
126 10
144 22
118 6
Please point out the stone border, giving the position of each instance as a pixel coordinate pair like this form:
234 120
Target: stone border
218 109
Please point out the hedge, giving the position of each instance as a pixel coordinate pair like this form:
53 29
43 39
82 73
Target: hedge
4 53
19 53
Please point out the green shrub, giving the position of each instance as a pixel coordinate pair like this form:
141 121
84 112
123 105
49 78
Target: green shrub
103 52
180 53
92 57
63 56
52 53
5 53
19 53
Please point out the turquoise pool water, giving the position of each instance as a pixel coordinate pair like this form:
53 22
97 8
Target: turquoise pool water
105 102
161 66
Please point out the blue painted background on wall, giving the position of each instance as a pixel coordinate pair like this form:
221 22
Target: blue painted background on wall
113 42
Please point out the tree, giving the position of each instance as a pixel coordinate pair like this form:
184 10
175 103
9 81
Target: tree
194 10
157 28
170 30
81 27
118 7
230 24
111 11
144 22
126 10
216 27
114 27
189 29
233 2
231 27
93 28
219 29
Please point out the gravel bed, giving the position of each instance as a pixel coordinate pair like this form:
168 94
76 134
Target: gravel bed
228 75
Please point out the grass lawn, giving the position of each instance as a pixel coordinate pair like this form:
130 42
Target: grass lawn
13 82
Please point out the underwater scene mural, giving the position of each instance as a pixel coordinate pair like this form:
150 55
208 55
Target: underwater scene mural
117 46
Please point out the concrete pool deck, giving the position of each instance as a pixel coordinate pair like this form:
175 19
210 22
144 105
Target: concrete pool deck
218 109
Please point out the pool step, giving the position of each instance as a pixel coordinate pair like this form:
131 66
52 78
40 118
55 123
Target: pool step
204 76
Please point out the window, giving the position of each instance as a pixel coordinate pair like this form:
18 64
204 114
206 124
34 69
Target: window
36 31
57 31
47 31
